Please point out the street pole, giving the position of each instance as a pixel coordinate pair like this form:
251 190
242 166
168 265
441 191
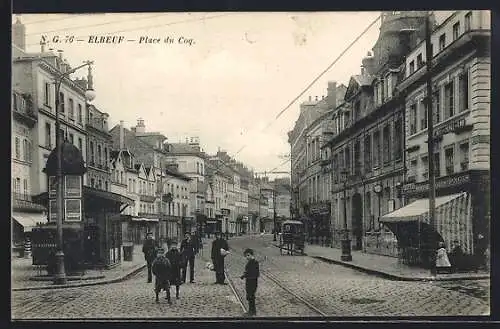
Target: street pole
60 274
274 212
430 143
346 243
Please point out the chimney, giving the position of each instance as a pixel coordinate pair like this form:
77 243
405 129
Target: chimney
310 99
331 97
19 34
140 128
369 63
122 137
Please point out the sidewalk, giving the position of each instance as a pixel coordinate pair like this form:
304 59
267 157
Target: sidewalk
389 267
23 272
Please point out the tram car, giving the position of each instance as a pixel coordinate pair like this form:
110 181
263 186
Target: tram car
292 237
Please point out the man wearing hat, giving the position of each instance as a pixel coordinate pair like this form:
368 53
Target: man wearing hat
218 245
149 250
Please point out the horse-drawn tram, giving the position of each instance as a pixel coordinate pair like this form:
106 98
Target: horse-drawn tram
292 237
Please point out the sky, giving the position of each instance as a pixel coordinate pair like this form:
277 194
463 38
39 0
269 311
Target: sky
227 86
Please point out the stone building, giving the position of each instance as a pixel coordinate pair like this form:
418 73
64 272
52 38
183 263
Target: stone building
366 149
99 145
309 180
461 116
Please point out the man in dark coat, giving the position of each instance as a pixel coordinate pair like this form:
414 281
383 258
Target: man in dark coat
188 252
251 276
149 250
162 269
174 257
218 258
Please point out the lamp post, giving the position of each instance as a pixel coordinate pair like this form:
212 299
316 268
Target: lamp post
430 142
378 190
274 213
60 274
346 242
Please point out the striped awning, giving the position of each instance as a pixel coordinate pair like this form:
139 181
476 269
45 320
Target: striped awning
29 220
417 210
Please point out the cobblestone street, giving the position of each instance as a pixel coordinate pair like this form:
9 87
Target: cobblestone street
333 289
339 291
133 298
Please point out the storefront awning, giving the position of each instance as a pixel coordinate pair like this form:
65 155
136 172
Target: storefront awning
417 210
143 219
29 220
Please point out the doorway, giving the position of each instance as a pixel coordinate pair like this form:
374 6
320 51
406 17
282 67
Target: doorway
357 221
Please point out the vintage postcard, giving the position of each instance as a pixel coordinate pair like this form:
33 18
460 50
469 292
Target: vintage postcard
242 165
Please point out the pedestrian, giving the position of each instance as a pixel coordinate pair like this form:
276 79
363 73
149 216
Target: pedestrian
174 256
218 257
198 242
161 268
251 276
149 250
188 253
442 261
457 257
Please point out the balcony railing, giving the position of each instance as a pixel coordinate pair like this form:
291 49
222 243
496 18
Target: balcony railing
24 202
147 198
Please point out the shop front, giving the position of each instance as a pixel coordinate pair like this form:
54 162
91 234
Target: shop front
462 215
95 240
318 227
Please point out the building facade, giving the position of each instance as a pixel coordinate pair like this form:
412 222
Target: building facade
99 145
190 160
367 146
461 116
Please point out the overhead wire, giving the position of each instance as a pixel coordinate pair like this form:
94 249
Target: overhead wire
225 14
319 76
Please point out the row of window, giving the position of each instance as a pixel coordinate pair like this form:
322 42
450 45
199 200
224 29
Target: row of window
99 183
452 162
379 148
98 155
72 116
313 150
442 42
23 151
199 168
16 187
70 136
444 103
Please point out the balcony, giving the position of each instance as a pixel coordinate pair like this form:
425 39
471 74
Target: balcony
24 202
23 109
147 198
147 215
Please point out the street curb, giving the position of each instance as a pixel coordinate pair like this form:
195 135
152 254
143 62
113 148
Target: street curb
85 284
394 277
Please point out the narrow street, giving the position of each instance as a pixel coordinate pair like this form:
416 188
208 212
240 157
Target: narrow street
312 286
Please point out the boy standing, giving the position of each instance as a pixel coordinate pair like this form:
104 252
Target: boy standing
161 269
251 276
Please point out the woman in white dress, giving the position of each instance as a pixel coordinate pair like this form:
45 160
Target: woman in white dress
442 262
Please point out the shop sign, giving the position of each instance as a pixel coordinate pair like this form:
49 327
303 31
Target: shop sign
445 182
449 127
320 209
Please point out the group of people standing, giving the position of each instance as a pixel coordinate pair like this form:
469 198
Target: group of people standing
170 268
